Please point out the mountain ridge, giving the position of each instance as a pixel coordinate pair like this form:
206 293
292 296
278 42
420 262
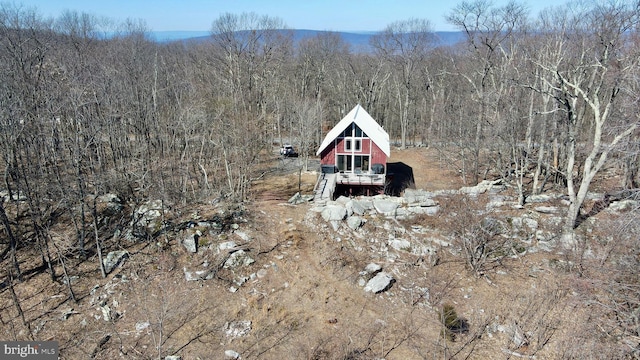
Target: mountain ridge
357 39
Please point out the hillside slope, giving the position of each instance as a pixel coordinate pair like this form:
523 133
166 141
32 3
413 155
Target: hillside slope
282 282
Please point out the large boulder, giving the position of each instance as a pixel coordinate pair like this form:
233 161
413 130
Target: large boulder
334 213
354 222
418 197
385 206
360 206
482 187
424 210
148 219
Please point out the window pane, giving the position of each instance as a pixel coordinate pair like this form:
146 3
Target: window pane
341 162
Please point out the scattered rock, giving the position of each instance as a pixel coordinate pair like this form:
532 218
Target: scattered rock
492 226
237 259
113 259
106 312
400 244
518 337
541 198
238 328
191 242
482 187
142 325
231 354
261 273
66 313
518 223
227 245
198 274
546 209
299 199
623 205
109 204
243 235
372 268
424 210
379 283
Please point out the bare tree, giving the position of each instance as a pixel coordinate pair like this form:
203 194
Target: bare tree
488 31
405 45
589 81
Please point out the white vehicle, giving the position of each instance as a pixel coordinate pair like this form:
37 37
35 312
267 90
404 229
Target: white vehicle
288 151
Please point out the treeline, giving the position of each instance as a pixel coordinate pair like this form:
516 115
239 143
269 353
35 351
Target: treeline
544 100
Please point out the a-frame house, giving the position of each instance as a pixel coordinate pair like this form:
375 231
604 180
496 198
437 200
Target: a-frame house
353 156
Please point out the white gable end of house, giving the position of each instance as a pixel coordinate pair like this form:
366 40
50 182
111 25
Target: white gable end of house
364 121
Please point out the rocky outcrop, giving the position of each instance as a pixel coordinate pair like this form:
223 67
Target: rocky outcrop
147 220
354 211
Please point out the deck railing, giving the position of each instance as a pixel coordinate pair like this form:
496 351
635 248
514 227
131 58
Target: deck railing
363 178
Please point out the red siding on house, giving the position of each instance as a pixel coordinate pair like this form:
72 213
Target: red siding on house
366 146
378 156
328 155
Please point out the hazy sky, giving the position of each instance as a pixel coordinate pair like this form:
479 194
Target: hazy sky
333 15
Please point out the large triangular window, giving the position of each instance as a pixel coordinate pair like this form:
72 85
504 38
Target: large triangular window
354 131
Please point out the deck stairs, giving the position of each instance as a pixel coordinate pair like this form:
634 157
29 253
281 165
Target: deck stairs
325 186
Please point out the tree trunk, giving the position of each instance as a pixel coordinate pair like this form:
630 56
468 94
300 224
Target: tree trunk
13 243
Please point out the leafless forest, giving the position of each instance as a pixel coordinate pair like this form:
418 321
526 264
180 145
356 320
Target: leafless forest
89 107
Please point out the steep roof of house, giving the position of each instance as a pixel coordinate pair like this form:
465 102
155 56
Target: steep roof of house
362 118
